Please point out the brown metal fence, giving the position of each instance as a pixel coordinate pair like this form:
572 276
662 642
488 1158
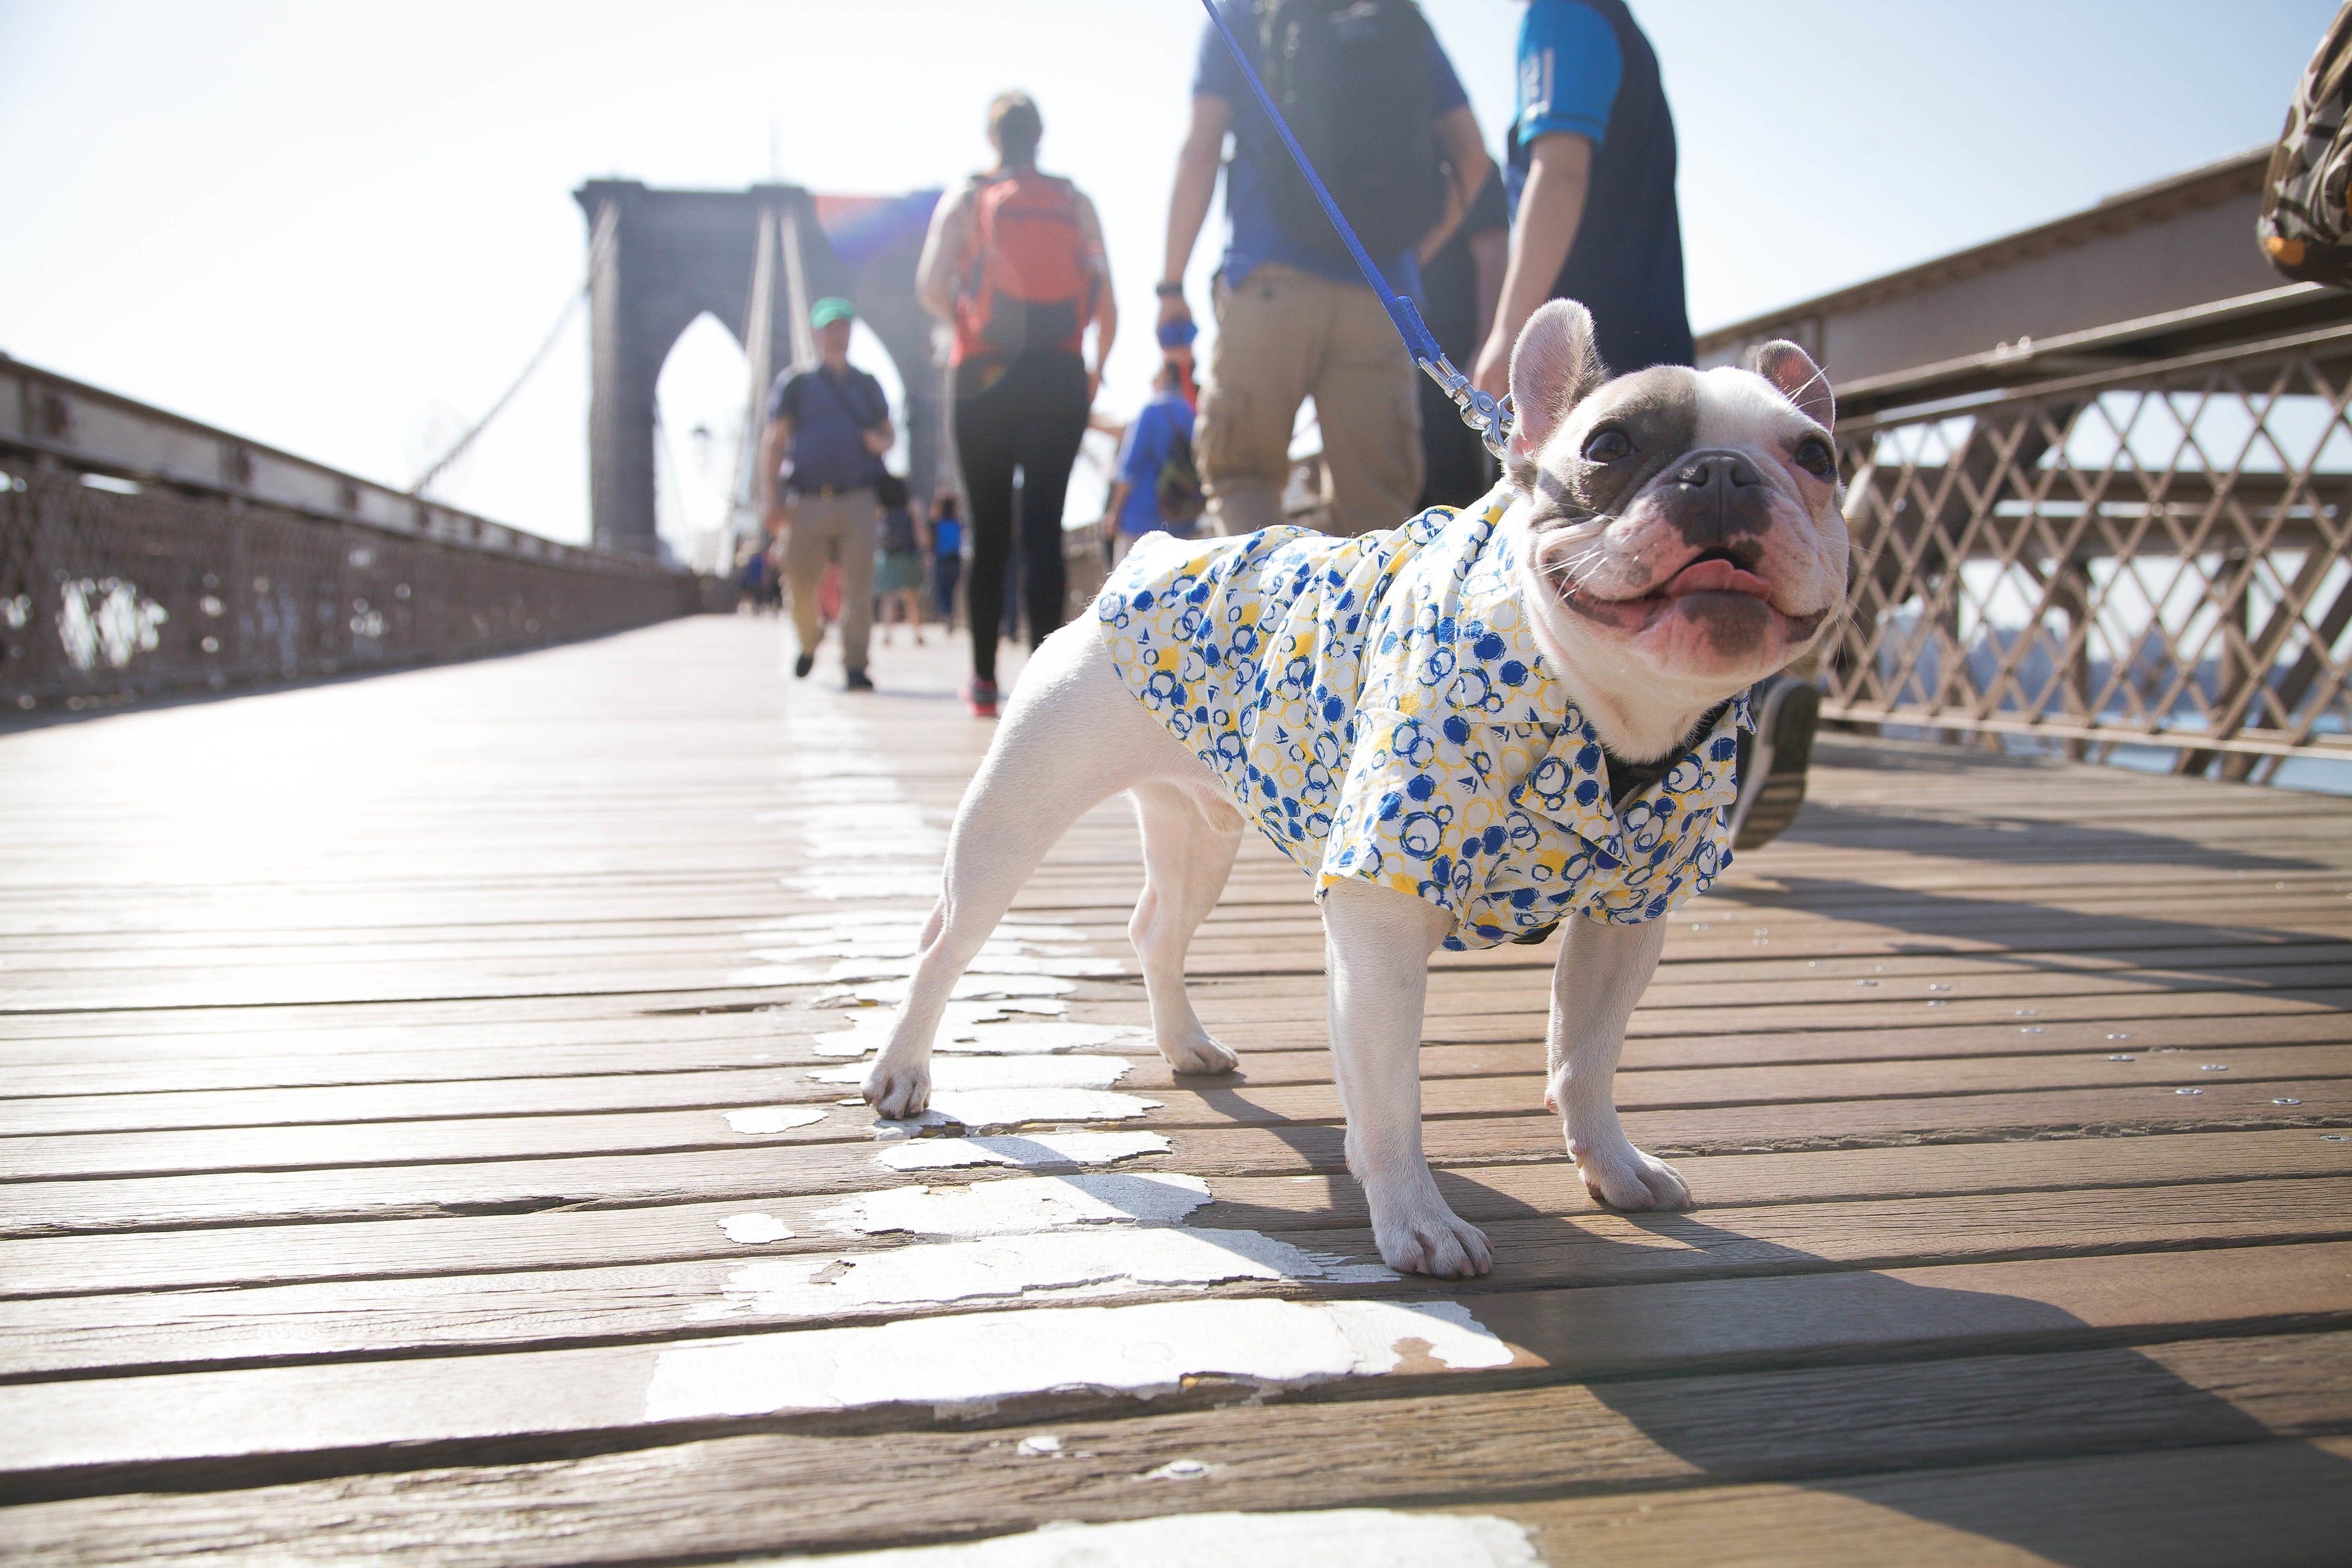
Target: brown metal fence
2154 555
111 589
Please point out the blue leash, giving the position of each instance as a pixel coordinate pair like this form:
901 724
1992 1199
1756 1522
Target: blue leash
1480 411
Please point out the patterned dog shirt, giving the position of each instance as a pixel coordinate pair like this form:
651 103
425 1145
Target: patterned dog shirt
1378 708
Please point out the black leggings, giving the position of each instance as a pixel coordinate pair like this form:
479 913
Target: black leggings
1031 418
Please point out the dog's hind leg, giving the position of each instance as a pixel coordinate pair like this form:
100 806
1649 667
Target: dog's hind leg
1071 738
1603 971
1189 835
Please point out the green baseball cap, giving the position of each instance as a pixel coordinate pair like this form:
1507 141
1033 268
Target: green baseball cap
831 308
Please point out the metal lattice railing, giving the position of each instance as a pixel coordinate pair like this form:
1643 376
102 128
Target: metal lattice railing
2155 554
109 589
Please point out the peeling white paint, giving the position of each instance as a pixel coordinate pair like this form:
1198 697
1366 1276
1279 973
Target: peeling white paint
789 966
1094 1260
881 944
752 1230
975 986
973 1361
772 1119
965 1032
1028 1204
868 829
1014 932
982 1108
949 1074
908 881
1030 1151
1334 1538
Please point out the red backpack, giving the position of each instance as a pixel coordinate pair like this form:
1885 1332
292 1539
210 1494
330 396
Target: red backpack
1028 282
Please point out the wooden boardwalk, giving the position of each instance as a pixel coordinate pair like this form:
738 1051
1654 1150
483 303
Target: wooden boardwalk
424 1137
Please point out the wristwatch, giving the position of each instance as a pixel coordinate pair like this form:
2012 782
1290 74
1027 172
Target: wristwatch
1170 290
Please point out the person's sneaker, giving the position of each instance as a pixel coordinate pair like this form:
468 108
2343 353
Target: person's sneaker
980 696
857 681
1772 760
803 665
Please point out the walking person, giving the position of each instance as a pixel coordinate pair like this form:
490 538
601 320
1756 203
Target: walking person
1463 283
899 558
819 459
1015 261
1591 183
947 557
1375 103
1157 488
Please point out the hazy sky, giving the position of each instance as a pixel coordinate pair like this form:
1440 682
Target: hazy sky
341 228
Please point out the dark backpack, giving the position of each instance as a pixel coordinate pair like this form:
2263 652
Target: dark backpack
1351 77
1177 493
2304 228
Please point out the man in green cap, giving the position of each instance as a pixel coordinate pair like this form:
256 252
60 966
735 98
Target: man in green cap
819 457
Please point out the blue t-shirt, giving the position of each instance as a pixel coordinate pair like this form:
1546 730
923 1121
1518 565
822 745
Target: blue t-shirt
1141 452
947 536
1586 68
828 414
1255 238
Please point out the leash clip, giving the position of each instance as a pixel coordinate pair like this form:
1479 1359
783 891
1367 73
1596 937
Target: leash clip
1482 411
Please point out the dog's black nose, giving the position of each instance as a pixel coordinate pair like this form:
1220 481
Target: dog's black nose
1719 471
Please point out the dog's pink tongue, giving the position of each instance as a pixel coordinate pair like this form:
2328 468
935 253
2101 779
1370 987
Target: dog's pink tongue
1715 576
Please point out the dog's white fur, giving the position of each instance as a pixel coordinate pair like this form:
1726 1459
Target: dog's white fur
1074 734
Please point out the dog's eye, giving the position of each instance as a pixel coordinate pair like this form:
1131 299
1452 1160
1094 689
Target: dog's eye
1813 456
1607 445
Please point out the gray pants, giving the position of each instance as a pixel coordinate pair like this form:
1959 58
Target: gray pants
834 528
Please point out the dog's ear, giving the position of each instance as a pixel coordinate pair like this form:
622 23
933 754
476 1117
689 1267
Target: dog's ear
1793 374
1553 367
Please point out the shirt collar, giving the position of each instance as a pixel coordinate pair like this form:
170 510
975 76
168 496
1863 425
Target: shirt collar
1570 785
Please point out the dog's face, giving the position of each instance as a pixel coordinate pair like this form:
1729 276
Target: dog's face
1684 536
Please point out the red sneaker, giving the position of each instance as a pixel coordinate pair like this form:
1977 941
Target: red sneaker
980 696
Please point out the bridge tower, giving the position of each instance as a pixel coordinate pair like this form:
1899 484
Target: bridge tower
753 258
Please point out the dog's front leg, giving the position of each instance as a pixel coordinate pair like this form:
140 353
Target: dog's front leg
1377 944
1603 971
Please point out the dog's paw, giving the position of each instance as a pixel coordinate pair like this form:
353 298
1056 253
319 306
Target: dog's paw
1429 1240
1198 1052
896 1091
1625 1178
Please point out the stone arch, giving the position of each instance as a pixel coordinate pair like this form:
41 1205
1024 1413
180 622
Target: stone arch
659 259
700 386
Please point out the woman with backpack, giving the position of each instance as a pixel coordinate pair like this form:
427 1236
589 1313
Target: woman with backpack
1015 262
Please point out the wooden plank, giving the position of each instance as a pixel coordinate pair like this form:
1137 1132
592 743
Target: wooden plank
1499 1045
152 1331
60 1437
1686 1443
262 1253
1489 1102
1145 1073
2272 1503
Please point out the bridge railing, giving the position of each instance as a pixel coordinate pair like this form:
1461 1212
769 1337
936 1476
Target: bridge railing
2153 553
140 553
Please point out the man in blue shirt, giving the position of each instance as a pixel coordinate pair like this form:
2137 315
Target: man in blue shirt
1296 320
1143 451
1591 183
819 457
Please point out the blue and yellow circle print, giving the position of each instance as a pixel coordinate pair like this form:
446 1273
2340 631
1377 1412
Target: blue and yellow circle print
1378 708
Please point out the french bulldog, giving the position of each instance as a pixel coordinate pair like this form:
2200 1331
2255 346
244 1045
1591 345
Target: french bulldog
1671 537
